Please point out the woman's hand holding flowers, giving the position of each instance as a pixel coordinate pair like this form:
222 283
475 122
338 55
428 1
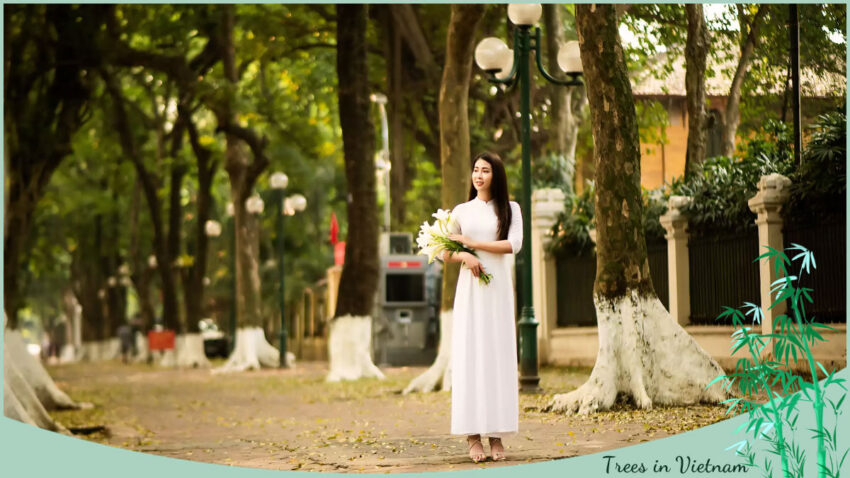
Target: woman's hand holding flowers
434 239
467 242
472 263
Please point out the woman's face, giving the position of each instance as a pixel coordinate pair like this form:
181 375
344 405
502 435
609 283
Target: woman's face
482 176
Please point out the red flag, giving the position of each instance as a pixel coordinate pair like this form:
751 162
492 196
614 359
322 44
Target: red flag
334 228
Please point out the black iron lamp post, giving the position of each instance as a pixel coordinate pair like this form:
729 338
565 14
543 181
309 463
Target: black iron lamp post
506 66
288 207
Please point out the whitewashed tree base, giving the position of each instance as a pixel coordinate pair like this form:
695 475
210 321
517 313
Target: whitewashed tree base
89 352
68 354
31 369
350 349
12 407
142 352
252 352
111 349
20 400
168 358
646 354
190 351
440 372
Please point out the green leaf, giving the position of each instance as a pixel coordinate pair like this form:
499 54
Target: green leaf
827 374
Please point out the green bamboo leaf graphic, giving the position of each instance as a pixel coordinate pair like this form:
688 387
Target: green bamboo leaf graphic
840 401
810 331
767 255
793 423
716 379
823 369
785 295
822 326
792 405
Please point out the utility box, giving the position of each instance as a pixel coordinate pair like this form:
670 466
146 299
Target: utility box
396 243
405 330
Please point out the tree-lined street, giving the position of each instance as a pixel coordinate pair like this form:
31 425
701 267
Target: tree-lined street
210 210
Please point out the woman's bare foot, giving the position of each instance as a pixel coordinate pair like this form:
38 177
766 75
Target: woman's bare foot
476 449
497 451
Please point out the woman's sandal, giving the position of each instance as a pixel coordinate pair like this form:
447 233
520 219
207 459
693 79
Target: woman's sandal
476 457
497 455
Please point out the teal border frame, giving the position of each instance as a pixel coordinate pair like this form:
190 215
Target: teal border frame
28 451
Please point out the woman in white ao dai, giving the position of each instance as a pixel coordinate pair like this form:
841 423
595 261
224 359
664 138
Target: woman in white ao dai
485 392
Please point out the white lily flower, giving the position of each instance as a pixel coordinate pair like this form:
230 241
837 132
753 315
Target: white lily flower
441 214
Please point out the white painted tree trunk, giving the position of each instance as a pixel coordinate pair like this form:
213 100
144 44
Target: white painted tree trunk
142 352
350 349
440 372
190 351
19 399
646 354
12 407
31 370
90 352
68 354
168 358
110 349
252 351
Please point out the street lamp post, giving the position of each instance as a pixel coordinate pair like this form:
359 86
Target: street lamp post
232 221
288 206
505 66
384 164
212 229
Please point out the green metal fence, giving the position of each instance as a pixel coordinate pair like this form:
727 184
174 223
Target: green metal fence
722 273
575 284
829 280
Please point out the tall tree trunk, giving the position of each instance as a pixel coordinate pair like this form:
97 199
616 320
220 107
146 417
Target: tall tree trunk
140 272
406 23
454 122
149 182
643 352
193 289
399 180
252 349
559 94
359 280
696 56
455 159
732 115
45 100
87 281
116 293
350 336
243 171
175 220
567 103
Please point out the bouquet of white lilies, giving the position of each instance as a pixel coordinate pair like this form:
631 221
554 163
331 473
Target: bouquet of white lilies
433 239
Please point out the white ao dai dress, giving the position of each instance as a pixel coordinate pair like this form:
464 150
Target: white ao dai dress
485 390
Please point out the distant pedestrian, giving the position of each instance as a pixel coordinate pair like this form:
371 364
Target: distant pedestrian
127 337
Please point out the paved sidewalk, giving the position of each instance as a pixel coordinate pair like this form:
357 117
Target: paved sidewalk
292 420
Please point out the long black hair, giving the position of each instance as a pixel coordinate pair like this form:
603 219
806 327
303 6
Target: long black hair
498 190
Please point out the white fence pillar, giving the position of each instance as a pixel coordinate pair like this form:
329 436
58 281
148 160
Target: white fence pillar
678 266
546 204
773 192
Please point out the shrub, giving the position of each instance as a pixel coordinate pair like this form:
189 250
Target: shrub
721 186
819 185
571 230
